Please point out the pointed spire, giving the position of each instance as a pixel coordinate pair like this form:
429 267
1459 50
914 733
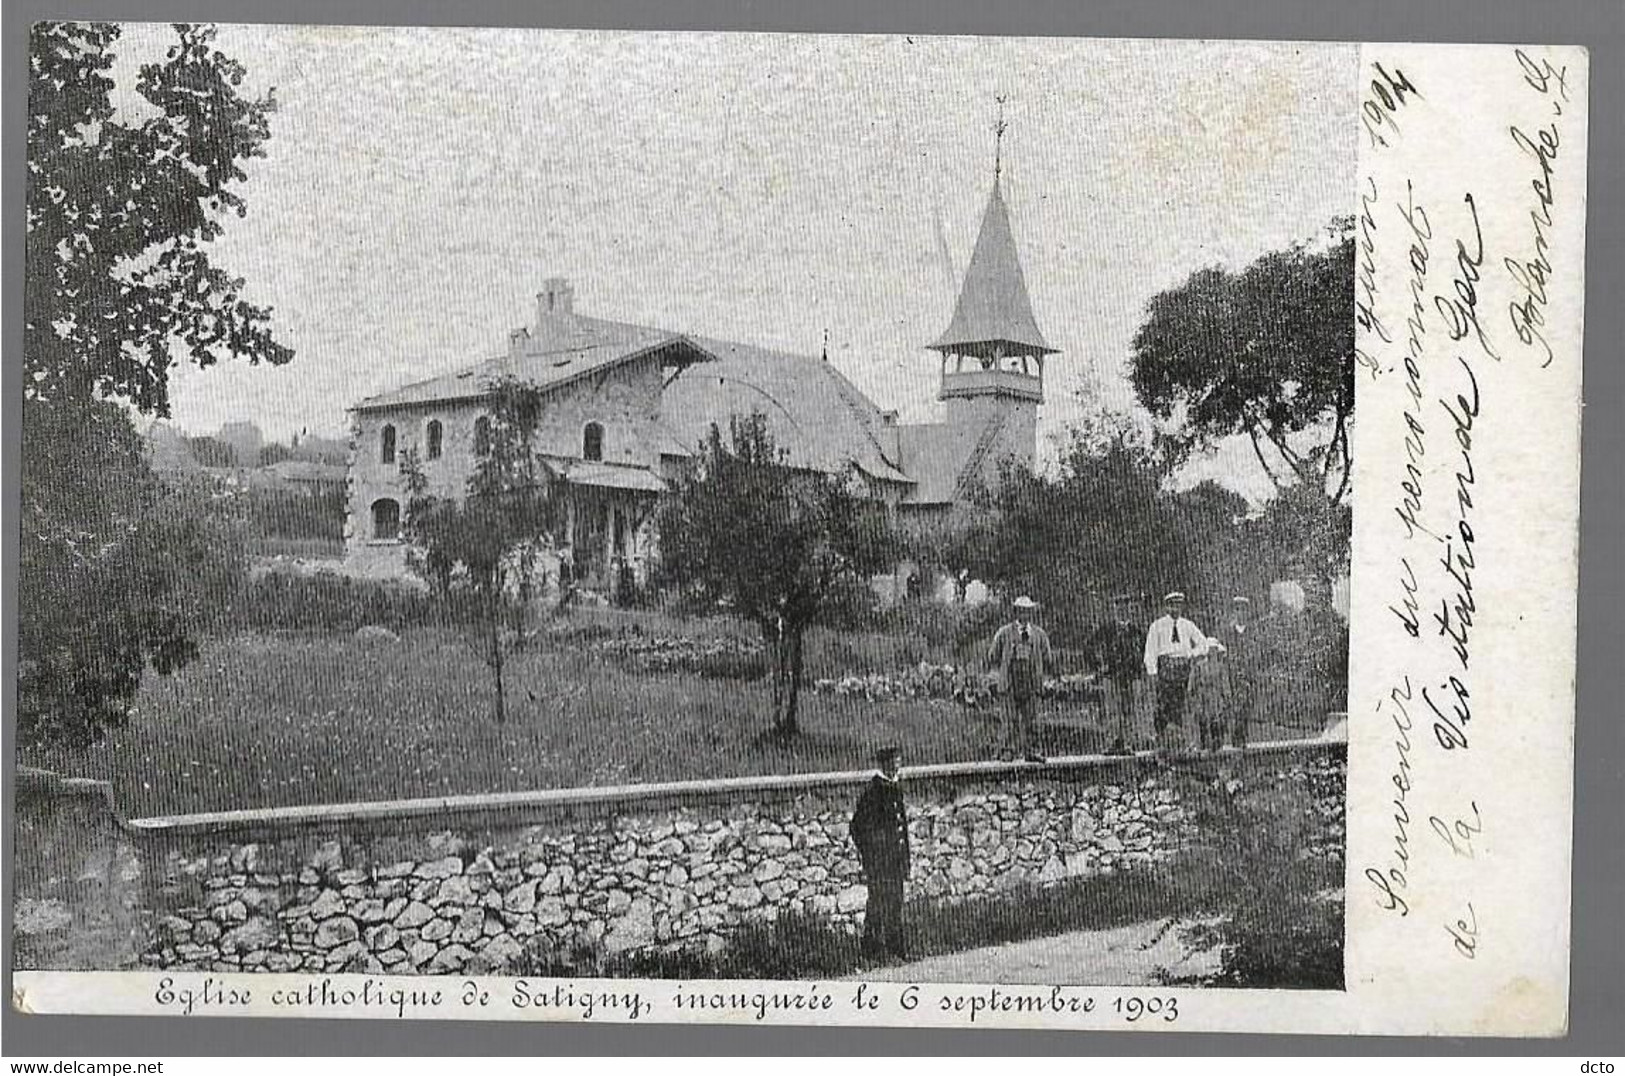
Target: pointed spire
994 315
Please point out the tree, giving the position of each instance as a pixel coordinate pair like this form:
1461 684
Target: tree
1219 559
962 545
1267 352
778 546
479 554
118 572
120 211
1102 523
211 452
277 452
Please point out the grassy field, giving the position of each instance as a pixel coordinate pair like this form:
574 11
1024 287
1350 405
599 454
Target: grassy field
283 718
267 720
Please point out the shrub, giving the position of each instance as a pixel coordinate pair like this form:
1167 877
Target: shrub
1306 669
328 601
117 571
1268 878
580 956
294 514
722 658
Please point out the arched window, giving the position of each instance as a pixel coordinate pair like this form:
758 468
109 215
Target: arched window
386 519
482 436
432 436
592 442
386 444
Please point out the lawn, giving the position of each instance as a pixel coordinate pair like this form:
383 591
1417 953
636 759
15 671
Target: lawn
272 720
283 718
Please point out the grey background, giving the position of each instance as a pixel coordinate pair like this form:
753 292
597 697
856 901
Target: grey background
1598 963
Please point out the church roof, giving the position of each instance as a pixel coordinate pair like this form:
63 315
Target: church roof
994 312
934 453
561 349
819 417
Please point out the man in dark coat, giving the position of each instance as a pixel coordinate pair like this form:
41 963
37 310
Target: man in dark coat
880 830
1115 652
1242 666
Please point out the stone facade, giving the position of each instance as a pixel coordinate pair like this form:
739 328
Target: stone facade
494 884
624 402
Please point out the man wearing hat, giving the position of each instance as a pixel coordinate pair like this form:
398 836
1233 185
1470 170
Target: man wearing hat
880 830
1239 639
1113 650
1172 647
1020 652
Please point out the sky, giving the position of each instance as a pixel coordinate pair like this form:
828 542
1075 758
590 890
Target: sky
420 184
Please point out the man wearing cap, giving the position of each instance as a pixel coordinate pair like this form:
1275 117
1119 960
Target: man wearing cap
1113 650
1239 639
1172 646
880 830
1020 652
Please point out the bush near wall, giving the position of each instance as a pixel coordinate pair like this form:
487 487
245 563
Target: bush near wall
328 601
291 513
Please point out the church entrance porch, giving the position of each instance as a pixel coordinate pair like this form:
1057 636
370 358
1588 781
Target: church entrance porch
606 541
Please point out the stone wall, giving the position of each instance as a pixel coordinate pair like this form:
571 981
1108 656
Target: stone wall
516 882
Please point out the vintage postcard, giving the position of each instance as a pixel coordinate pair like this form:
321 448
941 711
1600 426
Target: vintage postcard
872 530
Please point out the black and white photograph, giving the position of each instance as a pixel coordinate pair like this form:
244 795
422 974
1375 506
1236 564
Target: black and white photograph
553 509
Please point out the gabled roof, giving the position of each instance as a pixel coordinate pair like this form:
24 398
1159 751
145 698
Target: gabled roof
933 454
819 417
822 420
994 312
563 348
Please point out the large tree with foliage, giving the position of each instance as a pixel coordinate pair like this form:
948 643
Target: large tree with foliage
960 544
480 552
1266 353
780 547
121 208
116 571
1100 522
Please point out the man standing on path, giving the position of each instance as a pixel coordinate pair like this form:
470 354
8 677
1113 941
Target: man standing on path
1241 663
1172 647
1020 652
1113 650
880 830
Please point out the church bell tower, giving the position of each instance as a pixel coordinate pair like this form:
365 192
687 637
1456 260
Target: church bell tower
993 351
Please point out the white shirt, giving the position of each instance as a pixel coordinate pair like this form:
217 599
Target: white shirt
1159 642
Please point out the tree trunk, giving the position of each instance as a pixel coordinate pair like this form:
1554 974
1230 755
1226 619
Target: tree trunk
782 675
789 726
496 660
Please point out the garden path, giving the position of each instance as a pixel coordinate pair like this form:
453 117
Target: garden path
1123 956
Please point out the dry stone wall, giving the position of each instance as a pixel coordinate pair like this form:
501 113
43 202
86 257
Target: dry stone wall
517 884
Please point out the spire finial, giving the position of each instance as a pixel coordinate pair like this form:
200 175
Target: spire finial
999 126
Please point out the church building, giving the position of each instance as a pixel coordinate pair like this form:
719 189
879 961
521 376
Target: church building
627 406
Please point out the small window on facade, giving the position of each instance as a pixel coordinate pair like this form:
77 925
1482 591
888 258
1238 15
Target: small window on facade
592 442
432 436
386 444
386 519
482 436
